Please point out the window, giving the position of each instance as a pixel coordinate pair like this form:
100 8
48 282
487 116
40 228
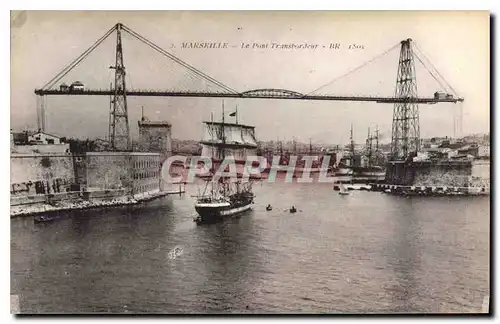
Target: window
50 141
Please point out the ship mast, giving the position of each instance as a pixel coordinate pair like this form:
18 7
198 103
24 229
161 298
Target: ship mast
223 151
352 144
376 146
369 144
213 143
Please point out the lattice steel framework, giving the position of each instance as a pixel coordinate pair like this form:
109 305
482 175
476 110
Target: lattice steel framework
405 122
119 131
405 130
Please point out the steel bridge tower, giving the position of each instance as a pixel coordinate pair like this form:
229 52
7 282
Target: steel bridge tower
119 131
405 122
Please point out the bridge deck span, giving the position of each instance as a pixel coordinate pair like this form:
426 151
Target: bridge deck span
247 95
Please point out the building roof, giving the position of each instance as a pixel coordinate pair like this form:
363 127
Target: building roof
36 133
148 123
229 144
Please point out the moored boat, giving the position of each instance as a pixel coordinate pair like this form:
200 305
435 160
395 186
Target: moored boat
42 219
343 190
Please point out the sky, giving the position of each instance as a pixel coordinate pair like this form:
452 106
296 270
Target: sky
456 43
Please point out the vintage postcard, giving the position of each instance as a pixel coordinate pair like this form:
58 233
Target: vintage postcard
250 162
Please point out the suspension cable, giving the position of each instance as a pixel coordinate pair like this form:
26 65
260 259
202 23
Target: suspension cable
177 60
190 70
73 64
354 70
430 72
436 70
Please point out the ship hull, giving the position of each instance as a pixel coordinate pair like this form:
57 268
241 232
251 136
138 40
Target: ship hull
371 174
361 171
343 172
213 212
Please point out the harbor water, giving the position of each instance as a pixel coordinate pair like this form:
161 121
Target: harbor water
363 253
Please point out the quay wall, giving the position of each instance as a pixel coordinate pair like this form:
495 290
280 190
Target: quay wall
137 172
65 198
397 173
42 183
32 174
481 173
443 175
425 173
146 172
40 149
44 175
107 170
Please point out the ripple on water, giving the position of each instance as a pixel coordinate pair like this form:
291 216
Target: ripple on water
367 253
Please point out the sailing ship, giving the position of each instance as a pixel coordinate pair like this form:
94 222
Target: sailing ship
344 167
223 196
283 161
351 164
283 165
316 165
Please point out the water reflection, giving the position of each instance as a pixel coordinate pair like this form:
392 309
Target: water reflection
405 260
226 264
386 248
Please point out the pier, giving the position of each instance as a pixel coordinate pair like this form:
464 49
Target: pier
429 190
